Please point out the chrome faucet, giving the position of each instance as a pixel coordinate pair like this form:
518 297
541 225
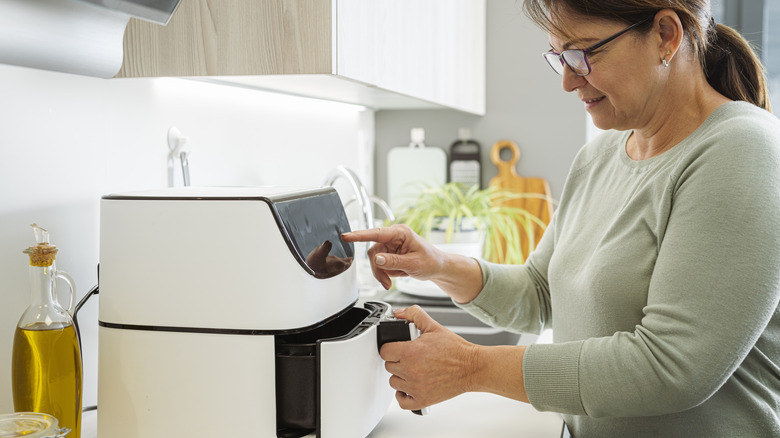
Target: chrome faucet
384 207
361 194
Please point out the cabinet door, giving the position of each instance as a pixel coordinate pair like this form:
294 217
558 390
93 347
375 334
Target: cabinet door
433 50
232 37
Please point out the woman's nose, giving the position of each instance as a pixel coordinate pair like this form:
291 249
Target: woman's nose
570 81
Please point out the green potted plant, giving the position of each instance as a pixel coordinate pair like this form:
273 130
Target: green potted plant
471 222
452 214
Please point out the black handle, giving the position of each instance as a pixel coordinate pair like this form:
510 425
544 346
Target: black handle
394 330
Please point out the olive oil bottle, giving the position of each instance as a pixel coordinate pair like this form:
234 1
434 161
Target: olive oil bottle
46 369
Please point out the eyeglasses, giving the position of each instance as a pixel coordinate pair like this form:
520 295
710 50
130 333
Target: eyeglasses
577 59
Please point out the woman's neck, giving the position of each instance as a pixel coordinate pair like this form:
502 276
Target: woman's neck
689 102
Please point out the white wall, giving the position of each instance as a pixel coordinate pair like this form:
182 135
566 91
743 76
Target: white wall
67 140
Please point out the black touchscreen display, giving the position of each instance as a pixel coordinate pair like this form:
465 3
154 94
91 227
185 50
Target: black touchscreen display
314 225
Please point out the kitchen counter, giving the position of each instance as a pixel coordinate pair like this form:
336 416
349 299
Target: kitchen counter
467 416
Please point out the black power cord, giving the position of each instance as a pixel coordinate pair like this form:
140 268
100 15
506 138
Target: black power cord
94 291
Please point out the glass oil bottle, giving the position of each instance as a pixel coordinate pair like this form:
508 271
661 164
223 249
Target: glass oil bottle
46 368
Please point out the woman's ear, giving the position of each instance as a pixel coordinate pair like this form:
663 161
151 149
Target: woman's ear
670 32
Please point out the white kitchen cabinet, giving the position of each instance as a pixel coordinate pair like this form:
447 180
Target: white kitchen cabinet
378 53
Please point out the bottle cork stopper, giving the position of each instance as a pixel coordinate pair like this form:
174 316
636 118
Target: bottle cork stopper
43 253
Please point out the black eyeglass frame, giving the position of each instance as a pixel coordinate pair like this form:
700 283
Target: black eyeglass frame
552 56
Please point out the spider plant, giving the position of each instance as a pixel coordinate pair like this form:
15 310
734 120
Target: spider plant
448 207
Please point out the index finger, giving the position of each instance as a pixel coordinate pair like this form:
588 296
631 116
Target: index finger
380 235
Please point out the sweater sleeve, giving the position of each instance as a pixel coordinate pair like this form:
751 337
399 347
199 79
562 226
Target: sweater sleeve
516 297
713 290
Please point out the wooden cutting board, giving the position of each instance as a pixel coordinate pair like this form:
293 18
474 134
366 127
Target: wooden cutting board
508 179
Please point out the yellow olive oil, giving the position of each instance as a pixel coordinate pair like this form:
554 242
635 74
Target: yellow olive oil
47 372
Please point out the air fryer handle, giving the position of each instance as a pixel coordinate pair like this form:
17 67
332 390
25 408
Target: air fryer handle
393 330
397 330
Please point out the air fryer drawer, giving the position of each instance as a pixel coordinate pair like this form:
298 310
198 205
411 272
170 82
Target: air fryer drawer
331 380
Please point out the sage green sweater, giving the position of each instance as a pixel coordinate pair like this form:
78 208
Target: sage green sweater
661 280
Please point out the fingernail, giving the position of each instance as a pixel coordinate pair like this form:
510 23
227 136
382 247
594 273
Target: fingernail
398 311
380 260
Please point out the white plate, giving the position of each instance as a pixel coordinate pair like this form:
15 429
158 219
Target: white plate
419 288
428 288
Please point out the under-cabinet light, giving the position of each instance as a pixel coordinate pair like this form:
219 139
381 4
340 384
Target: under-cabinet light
211 88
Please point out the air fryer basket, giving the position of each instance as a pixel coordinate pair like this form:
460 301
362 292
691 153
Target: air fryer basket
297 367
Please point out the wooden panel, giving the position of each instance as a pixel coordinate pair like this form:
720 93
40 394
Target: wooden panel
541 207
232 37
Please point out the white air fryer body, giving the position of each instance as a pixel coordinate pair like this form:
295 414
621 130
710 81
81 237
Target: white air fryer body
205 296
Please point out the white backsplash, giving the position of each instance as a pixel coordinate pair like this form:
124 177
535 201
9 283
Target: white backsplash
66 140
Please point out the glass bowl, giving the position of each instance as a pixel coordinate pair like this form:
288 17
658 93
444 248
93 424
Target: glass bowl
30 425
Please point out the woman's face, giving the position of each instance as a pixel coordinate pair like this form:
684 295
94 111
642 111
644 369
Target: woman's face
621 90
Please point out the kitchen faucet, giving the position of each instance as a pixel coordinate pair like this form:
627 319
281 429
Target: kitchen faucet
384 207
361 194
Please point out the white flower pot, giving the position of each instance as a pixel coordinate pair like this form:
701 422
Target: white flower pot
467 243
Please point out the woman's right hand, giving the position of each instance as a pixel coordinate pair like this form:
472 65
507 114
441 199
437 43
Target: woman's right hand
399 252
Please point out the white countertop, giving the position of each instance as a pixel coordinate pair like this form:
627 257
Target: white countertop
467 416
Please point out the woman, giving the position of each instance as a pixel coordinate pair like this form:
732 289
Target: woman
660 272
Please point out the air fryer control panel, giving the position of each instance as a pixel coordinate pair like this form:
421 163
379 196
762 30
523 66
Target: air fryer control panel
313 226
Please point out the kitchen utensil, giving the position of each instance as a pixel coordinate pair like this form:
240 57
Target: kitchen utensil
411 168
538 203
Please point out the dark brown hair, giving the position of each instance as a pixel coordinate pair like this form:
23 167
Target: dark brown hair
729 63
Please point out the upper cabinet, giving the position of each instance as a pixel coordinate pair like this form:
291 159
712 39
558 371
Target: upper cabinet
378 53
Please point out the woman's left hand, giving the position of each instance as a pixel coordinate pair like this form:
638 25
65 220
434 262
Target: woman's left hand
437 366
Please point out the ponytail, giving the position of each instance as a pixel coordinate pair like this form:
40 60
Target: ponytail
734 69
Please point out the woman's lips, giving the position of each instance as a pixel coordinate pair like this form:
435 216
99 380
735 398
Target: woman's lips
590 103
